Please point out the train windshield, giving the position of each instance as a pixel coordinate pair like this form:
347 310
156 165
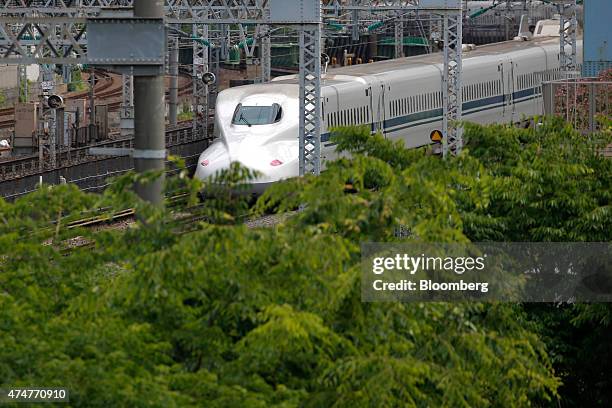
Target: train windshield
257 115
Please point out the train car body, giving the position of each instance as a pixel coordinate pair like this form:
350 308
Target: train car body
257 125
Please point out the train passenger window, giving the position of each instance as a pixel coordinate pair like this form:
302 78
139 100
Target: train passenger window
257 115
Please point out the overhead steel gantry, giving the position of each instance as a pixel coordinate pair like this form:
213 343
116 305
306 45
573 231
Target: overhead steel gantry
53 32
568 32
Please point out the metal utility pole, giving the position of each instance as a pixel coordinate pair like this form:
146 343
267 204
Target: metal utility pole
225 41
452 86
127 105
149 142
265 53
568 29
310 99
200 89
399 35
92 103
174 76
355 21
66 73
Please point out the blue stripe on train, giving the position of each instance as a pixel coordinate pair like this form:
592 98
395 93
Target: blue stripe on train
427 117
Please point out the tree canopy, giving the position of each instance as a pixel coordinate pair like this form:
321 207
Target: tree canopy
191 307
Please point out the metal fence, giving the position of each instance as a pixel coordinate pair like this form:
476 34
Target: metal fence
583 102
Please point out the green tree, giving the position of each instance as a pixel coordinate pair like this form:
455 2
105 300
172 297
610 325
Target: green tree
190 307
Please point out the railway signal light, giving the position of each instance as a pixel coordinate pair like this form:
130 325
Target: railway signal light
55 102
209 78
436 136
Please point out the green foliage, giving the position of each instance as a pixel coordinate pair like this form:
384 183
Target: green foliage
77 83
222 315
185 114
24 91
551 183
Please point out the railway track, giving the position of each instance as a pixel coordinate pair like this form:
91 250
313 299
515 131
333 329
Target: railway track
105 82
110 87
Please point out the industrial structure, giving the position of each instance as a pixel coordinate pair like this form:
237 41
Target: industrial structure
95 33
598 49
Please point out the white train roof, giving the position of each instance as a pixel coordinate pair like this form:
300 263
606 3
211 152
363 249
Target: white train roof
358 73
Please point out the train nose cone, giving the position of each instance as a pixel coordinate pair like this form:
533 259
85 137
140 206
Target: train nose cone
213 160
272 162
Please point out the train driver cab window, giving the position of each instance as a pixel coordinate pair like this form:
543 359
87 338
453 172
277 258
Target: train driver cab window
257 115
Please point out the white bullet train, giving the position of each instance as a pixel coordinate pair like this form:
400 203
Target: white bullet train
257 125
